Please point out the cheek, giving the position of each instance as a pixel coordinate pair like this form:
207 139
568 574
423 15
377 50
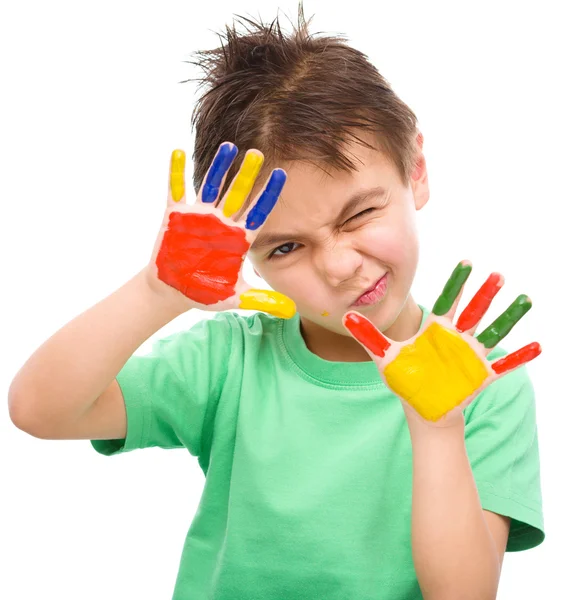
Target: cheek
392 243
299 282
279 278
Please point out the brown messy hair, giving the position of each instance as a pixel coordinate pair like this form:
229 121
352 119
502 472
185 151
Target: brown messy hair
295 97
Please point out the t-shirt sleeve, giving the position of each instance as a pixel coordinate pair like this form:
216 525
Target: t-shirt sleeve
171 394
502 446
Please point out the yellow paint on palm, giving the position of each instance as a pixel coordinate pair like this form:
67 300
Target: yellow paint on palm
436 373
177 169
274 303
243 183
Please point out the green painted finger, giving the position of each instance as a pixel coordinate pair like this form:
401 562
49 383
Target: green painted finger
493 334
452 288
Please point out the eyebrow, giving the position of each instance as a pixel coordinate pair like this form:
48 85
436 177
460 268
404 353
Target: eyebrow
268 239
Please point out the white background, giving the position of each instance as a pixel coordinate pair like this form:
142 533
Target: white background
91 109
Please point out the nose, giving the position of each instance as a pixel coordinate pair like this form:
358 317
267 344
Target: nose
337 262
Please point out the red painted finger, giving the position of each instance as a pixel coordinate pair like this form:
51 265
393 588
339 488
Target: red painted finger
365 332
517 358
479 304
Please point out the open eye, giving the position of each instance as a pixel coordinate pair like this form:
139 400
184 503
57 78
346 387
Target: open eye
360 214
283 250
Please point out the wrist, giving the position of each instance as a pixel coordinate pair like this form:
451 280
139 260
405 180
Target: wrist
453 425
165 299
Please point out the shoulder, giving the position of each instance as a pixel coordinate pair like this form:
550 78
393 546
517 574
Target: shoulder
224 333
233 331
254 325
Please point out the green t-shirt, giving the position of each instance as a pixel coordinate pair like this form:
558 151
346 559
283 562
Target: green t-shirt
308 462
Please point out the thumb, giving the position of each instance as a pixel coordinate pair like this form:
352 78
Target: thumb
366 333
268 301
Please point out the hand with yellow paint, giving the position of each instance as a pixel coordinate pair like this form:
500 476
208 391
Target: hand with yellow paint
441 370
201 247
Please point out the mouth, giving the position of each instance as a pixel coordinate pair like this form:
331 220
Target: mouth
374 294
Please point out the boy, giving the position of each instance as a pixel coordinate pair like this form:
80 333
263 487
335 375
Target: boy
320 484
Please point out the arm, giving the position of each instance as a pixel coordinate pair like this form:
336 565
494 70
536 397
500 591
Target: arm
457 547
61 382
67 388
454 552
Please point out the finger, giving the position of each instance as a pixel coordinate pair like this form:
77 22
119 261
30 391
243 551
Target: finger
243 182
265 203
493 334
274 303
366 333
215 176
451 312
479 304
177 185
517 358
452 290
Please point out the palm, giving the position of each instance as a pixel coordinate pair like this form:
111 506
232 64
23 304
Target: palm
440 371
201 256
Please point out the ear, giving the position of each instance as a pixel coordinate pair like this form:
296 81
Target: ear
419 183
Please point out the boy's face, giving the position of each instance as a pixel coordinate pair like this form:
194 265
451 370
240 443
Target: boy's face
324 250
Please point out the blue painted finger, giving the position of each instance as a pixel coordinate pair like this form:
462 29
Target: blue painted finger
219 167
264 206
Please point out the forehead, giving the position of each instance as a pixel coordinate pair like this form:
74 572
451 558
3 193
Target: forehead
313 195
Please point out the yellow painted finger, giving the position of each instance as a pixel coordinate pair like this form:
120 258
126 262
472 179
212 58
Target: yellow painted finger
243 183
436 373
274 303
177 172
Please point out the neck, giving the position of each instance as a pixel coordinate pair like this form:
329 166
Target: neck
343 348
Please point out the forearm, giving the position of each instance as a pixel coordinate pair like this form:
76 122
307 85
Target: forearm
68 372
453 551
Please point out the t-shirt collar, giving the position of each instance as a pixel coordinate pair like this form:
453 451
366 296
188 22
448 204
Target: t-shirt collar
348 374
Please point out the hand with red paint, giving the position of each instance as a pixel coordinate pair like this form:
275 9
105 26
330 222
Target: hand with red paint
201 247
438 372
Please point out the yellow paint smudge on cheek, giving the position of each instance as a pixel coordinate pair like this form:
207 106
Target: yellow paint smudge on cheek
325 313
436 373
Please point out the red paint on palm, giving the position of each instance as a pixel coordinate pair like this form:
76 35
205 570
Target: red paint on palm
201 257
